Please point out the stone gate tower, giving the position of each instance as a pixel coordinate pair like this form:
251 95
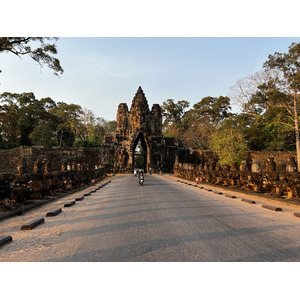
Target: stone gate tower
145 125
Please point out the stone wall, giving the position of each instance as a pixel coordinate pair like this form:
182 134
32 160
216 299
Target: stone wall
267 172
31 173
10 159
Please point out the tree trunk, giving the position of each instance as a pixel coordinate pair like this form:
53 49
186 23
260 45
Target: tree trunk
297 131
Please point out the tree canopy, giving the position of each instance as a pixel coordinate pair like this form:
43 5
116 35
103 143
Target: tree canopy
37 48
27 121
268 120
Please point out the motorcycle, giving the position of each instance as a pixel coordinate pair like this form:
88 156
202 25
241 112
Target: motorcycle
141 180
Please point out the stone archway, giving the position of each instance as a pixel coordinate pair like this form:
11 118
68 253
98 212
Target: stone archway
144 155
141 123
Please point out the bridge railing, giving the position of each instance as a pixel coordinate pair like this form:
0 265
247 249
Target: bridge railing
20 188
252 177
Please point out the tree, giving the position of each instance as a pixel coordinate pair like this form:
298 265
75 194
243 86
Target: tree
20 114
173 114
276 125
289 65
197 135
214 109
43 135
69 122
242 92
203 119
9 118
42 53
229 145
27 121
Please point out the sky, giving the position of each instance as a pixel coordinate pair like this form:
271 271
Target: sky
101 72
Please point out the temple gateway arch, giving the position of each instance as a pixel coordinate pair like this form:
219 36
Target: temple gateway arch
140 124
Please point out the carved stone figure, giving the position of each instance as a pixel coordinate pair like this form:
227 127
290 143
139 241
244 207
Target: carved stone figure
270 165
255 166
22 168
243 166
37 167
64 166
291 165
47 167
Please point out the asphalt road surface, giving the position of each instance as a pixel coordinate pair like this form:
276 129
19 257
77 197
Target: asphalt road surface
164 220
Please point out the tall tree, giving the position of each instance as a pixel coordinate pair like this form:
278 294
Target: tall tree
230 145
203 119
277 127
242 91
289 65
69 122
20 115
37 48
173 114
215 109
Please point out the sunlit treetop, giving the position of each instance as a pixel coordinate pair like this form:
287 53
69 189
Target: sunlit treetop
40 49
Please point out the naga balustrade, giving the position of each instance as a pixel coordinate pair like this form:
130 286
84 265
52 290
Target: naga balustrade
22 187
249 175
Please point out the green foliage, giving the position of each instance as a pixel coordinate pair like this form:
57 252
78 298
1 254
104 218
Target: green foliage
26 121
230 146
213 109
173 113
42 135
36 47
289 64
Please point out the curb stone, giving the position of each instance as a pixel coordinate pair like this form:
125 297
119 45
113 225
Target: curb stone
32 224
5 239
272 207
248 201
68 204
54 212
296 214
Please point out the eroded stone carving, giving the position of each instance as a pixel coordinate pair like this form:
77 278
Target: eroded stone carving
141 123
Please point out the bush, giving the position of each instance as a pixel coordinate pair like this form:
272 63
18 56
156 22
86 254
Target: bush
229 145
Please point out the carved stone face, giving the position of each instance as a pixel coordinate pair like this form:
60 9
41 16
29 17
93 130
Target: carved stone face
47 167
255 166
270 164
20 168
37 167
291 165
63 166
243 166
74 167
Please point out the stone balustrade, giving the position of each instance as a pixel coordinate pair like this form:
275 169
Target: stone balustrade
249 175
22 187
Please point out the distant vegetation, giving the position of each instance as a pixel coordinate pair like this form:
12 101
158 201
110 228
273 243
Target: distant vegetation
269 104
268 117
27 121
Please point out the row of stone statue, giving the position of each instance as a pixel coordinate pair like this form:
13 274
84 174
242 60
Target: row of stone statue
43 166
250 176
23 187
254 166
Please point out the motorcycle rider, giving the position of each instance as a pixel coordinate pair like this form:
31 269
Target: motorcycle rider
141 176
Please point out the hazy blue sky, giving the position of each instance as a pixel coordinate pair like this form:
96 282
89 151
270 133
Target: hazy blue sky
99 73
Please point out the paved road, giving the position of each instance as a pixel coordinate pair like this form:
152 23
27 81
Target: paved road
161 221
